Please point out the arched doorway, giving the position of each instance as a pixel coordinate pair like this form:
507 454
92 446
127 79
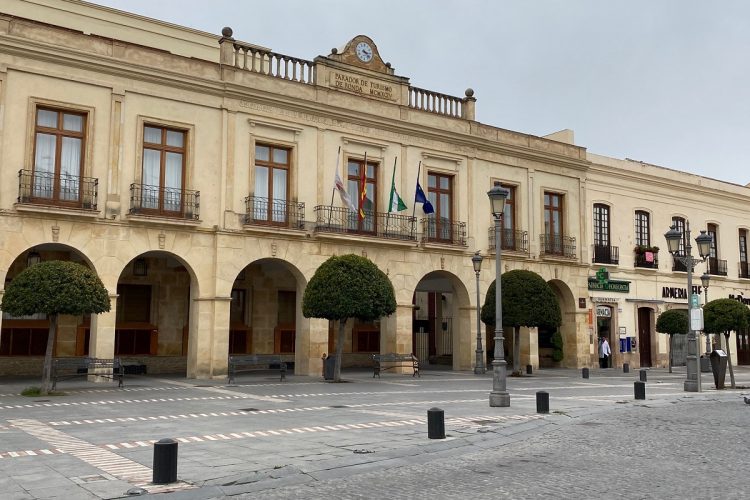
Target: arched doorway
441 323
646 325
25 338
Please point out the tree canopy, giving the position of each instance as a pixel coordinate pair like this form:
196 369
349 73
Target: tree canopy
348 286
527 300
724 315
673 322
55 287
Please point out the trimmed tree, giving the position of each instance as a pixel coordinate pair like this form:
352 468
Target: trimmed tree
527 301
673 322
53 288
348 286
725 316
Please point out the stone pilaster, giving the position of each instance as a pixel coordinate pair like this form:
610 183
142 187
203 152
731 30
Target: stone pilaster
102 337
208 340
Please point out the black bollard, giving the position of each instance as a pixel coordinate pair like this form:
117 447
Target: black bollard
165 461
585 372
528 369
542 402
640 390
643 375
626 368
435 423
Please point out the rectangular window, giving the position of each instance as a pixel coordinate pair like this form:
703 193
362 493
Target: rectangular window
744 271
163 170
679 224
271 184
354 188
711 230
601 225
58 156
642 229
553 223
508 222
440 194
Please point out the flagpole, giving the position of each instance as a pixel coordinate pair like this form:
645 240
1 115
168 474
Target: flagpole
390 198
414 207
333 191
362 191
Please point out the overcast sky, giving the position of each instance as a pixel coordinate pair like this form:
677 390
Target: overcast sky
662 81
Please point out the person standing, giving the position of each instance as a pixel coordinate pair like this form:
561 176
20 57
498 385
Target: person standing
604 353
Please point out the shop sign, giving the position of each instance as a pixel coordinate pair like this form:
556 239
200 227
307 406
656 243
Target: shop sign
609 285
740 298
603 312
670 292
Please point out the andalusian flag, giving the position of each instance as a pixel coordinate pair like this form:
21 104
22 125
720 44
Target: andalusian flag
363 189
396 204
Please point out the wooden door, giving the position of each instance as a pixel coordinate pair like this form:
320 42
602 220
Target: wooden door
644 335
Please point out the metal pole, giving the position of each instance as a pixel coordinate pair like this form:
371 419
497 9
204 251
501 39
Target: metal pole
708 336
479 365
693 381
499 395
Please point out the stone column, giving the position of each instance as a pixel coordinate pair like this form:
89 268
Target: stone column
395 332
312 343
529 348
102 332
208 340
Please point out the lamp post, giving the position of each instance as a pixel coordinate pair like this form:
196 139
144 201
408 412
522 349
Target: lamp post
705 281
674 236
499 395
479 369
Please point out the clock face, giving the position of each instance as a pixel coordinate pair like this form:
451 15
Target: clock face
364 51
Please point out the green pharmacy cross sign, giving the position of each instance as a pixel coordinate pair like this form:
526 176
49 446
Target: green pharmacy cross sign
602 282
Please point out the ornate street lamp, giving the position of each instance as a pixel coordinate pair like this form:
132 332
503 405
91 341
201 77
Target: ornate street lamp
499 395
705 281
33 258
674 236
479 369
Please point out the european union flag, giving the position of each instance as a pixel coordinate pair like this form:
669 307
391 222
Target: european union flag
419 197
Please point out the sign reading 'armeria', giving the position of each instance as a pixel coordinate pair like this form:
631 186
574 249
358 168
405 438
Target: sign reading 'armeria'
362 85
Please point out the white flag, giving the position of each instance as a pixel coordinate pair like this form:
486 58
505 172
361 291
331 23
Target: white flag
342 192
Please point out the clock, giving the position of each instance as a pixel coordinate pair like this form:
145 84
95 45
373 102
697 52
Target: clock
364 51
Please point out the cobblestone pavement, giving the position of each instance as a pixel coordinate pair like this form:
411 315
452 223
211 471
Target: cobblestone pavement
685 449
368 438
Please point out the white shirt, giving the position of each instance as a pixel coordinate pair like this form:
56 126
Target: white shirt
604 349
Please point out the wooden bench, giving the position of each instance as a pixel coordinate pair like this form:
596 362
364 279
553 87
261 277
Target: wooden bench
392 360
65 368
254 361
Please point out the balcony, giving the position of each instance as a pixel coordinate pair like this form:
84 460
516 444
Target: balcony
744 270
278 213
557 246
511 240
158 201
375 224
716 267
643 260
48 188
604 254
442 230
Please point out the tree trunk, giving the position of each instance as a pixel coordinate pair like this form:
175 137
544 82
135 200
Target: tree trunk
517 351
339 350
47 370
729 360
670 352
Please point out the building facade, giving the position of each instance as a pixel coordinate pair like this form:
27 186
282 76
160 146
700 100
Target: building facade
195 174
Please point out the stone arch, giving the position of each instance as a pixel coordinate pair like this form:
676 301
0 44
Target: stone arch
442 321
574 351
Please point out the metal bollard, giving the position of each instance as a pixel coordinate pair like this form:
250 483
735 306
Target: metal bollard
542 402
640 390
529 369
643 375
435 423
626 368
165 461
585 372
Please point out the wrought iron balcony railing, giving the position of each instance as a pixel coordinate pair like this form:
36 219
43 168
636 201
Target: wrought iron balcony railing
48 188
164 202
442 230
281 213
717 267
744 270
557 246
511 240
604 254
376 224
643 260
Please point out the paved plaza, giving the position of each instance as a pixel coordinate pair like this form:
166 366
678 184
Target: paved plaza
367 438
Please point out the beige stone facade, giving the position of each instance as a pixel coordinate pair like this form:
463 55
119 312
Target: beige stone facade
195 174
